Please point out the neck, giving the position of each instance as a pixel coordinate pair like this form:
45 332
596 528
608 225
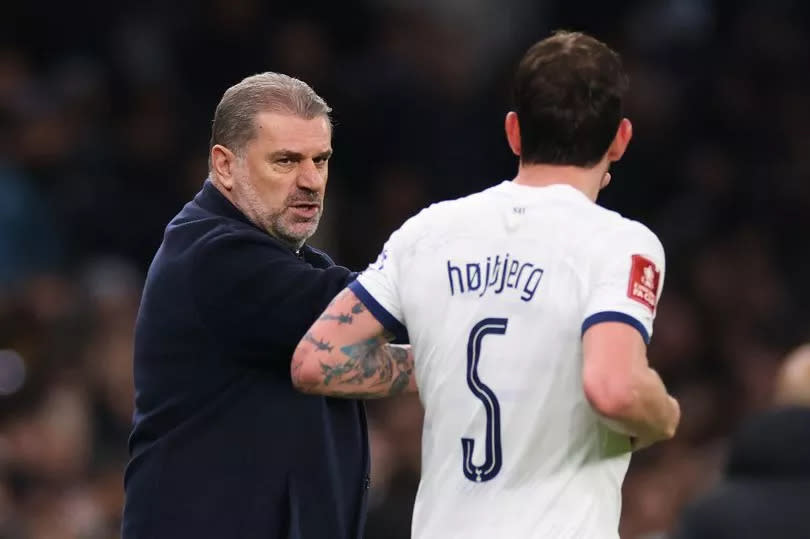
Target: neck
587 180
221 188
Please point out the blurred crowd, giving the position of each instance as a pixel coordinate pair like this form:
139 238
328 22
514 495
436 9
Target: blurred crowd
105 111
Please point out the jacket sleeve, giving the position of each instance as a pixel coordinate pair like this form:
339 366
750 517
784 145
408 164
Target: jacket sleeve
257 298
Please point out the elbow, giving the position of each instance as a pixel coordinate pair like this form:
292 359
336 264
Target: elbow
610 398
304 371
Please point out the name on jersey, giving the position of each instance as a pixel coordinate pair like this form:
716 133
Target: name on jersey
494 276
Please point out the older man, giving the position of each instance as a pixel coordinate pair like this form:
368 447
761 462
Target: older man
222 446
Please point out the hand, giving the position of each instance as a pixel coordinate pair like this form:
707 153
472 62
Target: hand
676 416
637 443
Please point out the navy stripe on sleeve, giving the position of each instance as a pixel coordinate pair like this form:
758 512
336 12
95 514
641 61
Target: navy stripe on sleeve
614 316
385 318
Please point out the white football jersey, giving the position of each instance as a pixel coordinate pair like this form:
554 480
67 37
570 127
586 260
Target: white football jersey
496 290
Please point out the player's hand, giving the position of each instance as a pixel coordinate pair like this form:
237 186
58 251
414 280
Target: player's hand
676 415
637 443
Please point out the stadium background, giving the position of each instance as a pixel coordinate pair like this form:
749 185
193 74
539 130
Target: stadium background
104 117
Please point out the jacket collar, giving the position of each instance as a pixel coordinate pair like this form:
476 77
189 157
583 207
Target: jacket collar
211 199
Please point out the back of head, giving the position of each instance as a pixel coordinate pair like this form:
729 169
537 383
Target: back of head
568 95
793 381
234 118
773 443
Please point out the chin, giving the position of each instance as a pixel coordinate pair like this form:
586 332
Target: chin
303 231
296 235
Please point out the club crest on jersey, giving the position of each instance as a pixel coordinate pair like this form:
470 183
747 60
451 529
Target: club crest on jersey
645 278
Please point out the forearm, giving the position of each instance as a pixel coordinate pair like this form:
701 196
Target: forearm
346 353
367 369
648 413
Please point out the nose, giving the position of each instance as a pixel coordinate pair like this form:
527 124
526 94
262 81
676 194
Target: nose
310 177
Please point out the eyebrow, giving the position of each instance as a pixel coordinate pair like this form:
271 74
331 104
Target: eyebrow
296 156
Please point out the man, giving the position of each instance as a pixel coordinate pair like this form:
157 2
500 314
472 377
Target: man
529 309
765 490
222 445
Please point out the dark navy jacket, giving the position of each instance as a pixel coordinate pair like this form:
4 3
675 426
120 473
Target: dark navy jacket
765 493
223 447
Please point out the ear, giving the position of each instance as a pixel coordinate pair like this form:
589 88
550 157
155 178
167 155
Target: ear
512 127
223 164
623 135
606 177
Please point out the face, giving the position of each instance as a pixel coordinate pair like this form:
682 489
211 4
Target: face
280 181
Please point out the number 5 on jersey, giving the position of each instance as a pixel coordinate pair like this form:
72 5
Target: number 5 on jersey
492 441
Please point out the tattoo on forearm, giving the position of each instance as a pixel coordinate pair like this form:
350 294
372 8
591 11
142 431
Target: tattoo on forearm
343 318
296 368
359 394
319 344
365 369
369 360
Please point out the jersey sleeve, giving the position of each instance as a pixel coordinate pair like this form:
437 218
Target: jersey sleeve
378 286
626 280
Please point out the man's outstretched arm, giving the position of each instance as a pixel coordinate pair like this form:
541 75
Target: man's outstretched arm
346 353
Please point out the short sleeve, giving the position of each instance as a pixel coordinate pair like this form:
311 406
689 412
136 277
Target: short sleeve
378 287
626 280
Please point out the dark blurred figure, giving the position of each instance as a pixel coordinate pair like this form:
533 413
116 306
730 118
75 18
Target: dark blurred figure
766 488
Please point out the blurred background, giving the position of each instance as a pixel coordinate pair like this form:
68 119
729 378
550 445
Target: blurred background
105 110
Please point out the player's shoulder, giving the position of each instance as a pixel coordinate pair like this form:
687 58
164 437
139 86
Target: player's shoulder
624 227
446 213
466 204
613 231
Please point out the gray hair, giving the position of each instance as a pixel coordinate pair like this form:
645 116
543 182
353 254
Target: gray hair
234 119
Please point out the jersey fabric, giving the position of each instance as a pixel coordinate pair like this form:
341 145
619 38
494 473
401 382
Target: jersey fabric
496 290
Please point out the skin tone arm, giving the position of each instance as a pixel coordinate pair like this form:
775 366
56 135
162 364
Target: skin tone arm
346 353
623 389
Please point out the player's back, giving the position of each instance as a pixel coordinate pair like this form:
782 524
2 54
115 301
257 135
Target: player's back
495 289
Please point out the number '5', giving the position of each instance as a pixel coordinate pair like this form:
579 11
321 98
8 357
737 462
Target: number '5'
492 462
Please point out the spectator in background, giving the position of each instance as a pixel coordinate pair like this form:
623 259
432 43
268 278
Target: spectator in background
766 489
29 241
793 381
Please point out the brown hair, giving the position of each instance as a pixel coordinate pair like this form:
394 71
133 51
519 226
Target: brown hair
568 96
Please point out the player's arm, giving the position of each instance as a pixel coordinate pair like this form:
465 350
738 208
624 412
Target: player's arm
346 353
627 275
622 388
